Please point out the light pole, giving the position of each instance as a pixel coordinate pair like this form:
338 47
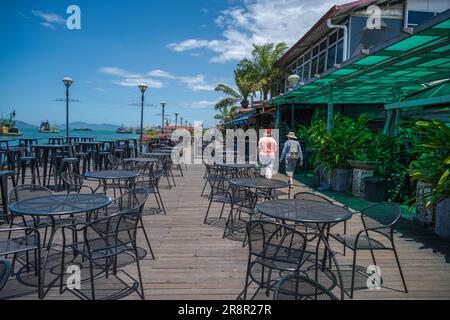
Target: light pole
143 87
181 122
176 120
186 124
163 105
67 82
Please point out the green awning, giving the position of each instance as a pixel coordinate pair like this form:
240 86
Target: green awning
435 95
386 73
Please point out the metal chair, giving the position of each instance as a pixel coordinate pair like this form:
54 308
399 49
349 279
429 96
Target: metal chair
74 182
276 249
243 201
26 241
387 215
219 190
299 287
133 200
103 241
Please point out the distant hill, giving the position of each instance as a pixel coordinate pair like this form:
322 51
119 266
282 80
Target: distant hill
73 125
92 126
24 125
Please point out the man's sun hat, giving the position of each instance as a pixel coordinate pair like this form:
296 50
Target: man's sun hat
292 135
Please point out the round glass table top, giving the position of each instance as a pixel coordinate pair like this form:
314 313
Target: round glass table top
60 204
260 183
112 174
304 211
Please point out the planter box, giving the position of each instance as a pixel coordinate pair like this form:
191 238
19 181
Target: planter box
341 180
358 185
442 227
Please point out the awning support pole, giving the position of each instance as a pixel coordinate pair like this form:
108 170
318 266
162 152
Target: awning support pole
330 113
278 121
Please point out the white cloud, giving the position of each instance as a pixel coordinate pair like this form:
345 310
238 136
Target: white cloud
202 104
258 21
128 79
50 19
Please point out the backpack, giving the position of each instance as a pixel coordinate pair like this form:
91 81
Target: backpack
294 153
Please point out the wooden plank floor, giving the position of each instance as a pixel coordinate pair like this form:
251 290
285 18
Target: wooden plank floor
193 261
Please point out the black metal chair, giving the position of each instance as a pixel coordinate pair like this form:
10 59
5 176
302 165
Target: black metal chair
23 240
378 219
243 202
276 250
219 193
5 272
74 183
27 192
151 178
114 162
133 200
299 287
103 241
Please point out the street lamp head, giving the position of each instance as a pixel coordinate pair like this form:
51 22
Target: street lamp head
143 87
67 82
176 114
163 103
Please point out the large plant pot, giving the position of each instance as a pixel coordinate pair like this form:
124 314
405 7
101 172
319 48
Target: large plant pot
358 185
341 180
324 177
442 227
375 189
424 214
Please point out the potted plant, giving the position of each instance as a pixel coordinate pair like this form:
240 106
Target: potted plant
337 147
432 167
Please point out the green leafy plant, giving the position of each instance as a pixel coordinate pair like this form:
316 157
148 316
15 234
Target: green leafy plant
433 158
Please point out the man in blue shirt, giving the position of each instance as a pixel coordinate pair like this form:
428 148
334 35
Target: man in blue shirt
292 154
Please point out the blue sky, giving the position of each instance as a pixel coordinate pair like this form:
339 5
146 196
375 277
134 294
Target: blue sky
182 49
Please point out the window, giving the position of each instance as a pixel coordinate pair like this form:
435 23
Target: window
321 63
417 17
339 52
331 58
306 71
332 39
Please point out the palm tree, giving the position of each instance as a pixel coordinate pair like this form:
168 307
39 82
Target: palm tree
226 113
245 78
264 58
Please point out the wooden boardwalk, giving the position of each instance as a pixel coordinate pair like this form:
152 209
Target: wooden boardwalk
193 261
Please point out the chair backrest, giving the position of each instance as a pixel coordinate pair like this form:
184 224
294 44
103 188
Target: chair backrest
381 215
300 287
275 242
243 198
220 185
132 200
72 179
27 192
311 196
109 236
114 161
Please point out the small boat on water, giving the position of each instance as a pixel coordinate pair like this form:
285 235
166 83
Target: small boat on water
46 128
8 126
123 130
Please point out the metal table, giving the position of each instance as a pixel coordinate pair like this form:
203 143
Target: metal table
304 211
323 215
265 188
104 176
55 206
50 152
237 170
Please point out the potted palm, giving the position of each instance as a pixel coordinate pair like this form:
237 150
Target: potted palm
339 146
432 167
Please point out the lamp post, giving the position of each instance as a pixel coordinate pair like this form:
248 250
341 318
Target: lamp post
181 122
163 105
67 82
143 87
176 120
